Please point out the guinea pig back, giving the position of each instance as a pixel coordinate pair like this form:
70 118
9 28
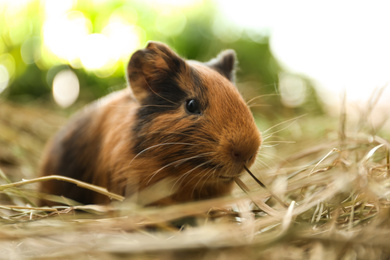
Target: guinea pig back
182 120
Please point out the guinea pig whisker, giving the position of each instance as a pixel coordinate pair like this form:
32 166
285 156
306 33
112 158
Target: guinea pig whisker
260 96
279 142
177 162
204 176
200 173
213 174
156 146
289 121
266 137
269 136
271 156
183 177
259 105
266 165
269 145
271 160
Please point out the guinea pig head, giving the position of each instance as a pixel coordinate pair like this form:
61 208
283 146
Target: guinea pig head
192 122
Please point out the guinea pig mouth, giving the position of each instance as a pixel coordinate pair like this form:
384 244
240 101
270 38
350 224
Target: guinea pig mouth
225 173
230 174
226 178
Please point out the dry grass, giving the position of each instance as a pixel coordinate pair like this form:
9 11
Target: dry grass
334 204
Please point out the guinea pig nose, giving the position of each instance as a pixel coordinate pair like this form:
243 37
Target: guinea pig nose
236 155
240 156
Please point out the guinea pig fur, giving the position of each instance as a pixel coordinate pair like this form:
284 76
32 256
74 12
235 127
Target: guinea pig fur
179 119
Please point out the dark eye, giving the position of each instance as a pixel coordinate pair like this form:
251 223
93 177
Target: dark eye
193 106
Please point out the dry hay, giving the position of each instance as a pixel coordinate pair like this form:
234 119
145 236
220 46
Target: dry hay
332 203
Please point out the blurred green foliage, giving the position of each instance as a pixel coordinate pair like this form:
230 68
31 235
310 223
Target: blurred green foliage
189 29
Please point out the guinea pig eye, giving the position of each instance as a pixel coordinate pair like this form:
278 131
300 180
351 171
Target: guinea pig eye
193 106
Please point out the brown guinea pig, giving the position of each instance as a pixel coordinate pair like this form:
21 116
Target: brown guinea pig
183 120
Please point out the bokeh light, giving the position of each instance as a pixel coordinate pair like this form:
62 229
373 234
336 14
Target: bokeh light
95 51
17 29
8 61
173 3
171 23
292 90
30 50
55 9
66 88
230 33
123 37
342 45
69 34
4 77
63 34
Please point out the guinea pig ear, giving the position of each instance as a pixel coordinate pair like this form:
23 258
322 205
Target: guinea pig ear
225 64
150 66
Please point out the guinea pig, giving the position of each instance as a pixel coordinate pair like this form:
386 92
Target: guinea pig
178 119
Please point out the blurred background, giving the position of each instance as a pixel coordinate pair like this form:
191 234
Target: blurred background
295 57
69 52
292 55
